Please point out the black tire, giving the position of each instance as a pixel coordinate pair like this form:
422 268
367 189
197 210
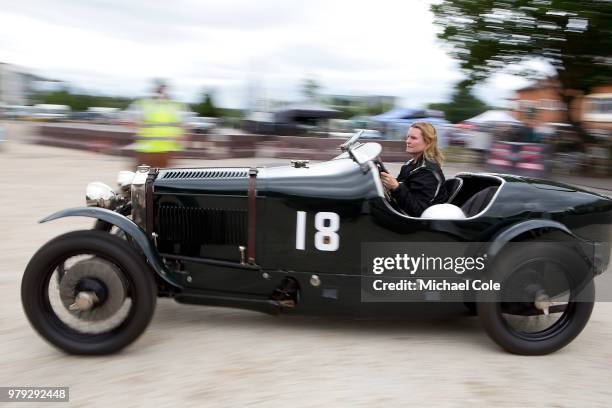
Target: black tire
42 317
102 225
112 229
575 313
472 308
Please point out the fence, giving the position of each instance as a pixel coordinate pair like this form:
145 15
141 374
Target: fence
119 141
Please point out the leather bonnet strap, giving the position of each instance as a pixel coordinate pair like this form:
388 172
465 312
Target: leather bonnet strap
252 215
150 222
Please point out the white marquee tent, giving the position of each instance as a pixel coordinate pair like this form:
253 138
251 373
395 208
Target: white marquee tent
493 116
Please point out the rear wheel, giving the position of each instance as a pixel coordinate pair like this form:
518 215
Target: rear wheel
86 292
547 299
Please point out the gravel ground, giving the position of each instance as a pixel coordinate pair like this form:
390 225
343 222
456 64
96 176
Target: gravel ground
203 356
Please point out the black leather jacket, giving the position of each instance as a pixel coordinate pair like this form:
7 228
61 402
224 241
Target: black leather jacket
421 185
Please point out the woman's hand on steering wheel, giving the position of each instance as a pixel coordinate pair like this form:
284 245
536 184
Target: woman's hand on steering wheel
383 170
388 181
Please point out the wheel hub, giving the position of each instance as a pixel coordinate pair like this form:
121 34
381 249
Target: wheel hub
93 289
93 286
84 301
543 303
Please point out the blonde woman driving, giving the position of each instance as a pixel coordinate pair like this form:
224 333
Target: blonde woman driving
420 181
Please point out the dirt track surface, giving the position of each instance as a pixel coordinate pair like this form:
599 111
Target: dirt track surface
203 356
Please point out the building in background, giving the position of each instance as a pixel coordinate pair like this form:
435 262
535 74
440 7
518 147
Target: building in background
539 104
13 85
17 85
597 112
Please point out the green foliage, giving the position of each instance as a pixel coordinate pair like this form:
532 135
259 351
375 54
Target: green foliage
487 36
80 102
463 105
310 88
206 107
231 113
378 109
347 112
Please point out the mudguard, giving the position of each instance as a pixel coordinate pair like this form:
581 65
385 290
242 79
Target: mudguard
515 230
129 227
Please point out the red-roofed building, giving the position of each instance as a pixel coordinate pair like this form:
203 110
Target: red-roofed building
540 103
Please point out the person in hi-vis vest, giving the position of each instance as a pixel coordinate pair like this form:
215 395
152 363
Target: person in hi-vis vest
160 127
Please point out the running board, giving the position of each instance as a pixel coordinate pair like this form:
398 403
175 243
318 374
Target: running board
256 303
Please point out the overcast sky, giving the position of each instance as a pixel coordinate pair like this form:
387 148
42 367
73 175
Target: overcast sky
115 47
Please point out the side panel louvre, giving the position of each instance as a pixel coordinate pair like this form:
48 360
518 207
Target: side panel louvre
203 225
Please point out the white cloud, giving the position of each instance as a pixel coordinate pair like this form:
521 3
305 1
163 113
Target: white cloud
116 47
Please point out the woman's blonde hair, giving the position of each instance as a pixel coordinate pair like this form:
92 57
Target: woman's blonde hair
432 152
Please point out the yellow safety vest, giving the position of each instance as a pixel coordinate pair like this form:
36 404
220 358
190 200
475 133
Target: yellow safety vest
160 128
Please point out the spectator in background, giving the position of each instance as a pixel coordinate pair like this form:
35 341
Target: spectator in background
527 134
160 128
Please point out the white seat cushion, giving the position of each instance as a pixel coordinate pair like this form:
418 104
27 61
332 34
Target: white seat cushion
443 212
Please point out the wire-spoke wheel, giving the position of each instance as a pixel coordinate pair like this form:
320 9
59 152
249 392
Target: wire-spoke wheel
87 292
547 296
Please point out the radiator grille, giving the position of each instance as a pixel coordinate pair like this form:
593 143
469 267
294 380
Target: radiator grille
203 225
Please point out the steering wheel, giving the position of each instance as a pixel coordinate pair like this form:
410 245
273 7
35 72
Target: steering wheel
381 168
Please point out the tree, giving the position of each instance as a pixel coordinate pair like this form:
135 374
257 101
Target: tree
379 108
310 88
363 109
488 36
206 107
80 102
463 104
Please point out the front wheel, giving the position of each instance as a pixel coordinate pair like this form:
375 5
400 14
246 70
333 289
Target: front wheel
546 301
103 300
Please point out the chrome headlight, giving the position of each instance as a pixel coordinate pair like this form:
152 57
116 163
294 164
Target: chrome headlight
124 181
98 194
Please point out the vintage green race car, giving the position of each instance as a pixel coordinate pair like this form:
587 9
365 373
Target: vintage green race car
290 240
